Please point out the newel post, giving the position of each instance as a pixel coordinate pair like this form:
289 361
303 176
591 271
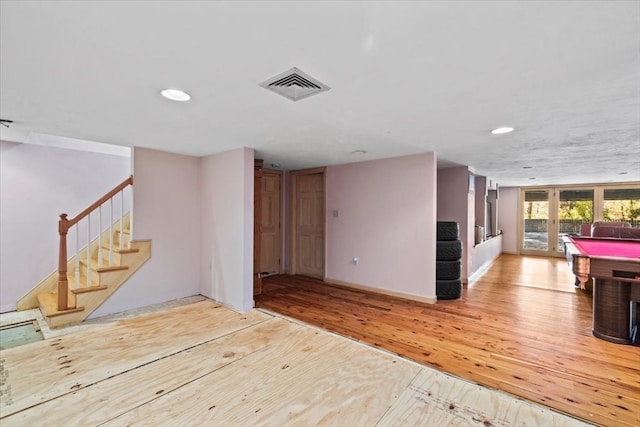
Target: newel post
63 286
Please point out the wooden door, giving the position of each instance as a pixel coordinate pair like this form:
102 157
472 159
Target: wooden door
271 246
309 224
257 233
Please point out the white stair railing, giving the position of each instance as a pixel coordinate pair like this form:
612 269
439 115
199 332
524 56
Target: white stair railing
65 224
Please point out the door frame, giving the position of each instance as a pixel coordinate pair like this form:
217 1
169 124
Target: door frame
551 224
293 202
257 186
280 245
556 249
554 196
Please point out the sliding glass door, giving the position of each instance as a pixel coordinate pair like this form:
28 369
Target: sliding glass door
535 221
575 207
549 213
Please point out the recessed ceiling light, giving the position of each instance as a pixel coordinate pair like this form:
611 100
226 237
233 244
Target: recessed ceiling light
622 173
527 167
275 165
359 152
175 95
531 178
500 131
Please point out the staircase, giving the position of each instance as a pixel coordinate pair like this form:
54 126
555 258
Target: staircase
87 279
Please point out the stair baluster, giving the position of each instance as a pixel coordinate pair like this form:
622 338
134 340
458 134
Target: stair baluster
76 271
100 252
130 222
111 232
88 250
121 216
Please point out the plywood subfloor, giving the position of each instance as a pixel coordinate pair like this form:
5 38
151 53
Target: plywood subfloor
203 364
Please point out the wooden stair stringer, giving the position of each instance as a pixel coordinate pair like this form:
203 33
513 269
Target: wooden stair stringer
90 300
50 283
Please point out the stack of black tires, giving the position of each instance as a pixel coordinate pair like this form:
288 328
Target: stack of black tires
448 260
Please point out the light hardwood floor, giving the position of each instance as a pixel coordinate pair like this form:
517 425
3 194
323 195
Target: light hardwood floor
201 364
520 327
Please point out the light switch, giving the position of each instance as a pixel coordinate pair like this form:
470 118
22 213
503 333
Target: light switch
336 213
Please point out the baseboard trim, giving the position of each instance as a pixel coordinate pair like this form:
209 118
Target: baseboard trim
7 308
483 268
396 294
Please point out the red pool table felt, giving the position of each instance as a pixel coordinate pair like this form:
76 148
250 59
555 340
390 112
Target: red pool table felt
608 248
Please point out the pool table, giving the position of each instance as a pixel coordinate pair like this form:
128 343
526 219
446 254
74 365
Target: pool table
614 265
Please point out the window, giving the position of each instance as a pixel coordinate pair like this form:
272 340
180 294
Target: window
622 204
575 207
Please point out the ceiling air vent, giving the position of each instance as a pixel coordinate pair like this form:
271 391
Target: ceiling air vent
294 84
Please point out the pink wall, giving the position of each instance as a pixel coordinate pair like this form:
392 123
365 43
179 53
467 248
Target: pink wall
37 184
455 203
387 220
508 218
166 210
226 245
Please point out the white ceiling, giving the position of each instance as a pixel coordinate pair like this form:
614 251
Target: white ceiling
405 78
